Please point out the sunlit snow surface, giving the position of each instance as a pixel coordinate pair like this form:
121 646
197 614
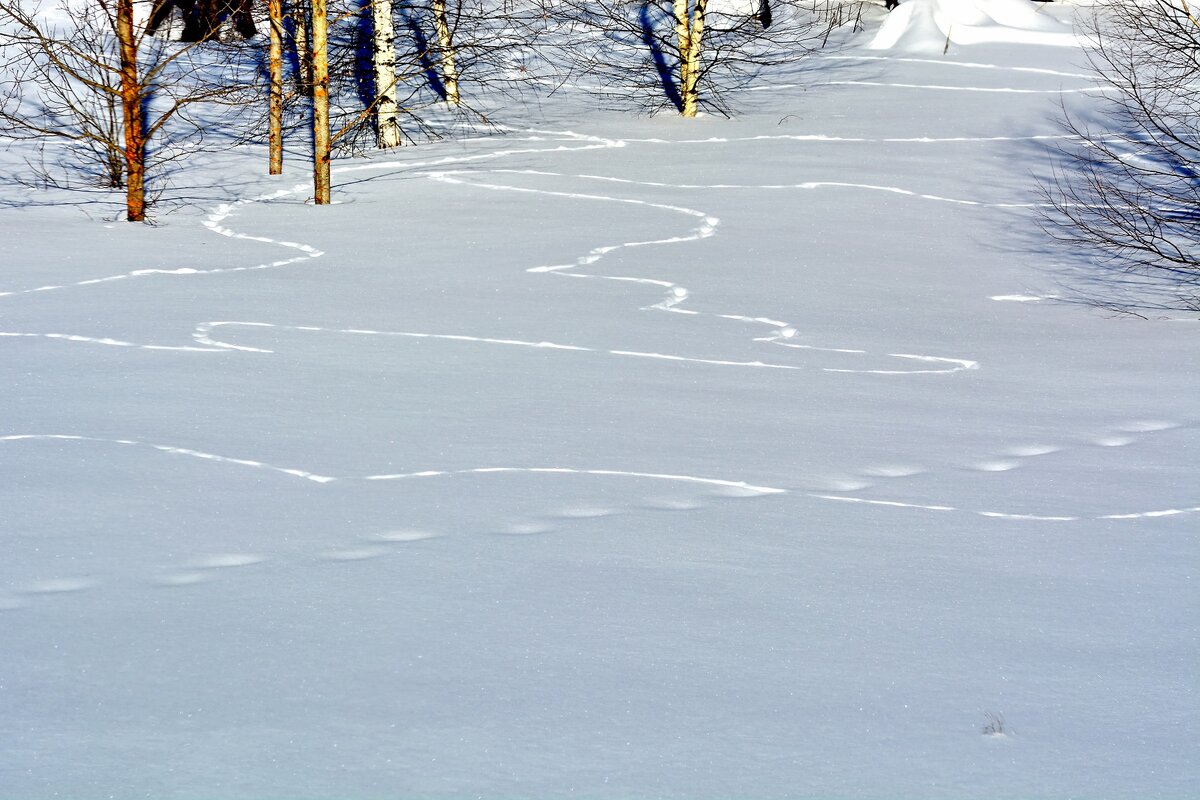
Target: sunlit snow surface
613 456
930 26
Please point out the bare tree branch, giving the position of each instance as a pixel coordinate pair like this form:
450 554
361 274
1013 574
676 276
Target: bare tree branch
1128 187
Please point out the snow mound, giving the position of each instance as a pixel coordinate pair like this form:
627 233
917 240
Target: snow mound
925 25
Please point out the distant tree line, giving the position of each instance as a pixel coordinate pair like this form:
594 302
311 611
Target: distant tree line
121 82
128 85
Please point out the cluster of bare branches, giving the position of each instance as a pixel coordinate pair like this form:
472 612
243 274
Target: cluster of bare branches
91 80
1128 190
394 71
122 90
687 55
448 59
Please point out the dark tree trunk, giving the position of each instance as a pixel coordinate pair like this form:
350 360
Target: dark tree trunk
202 19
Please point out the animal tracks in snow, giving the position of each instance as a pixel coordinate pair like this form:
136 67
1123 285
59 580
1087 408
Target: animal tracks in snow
1010 458
60 586
182 451
228 560
690 492
478 172
1030 450
675 296
700 492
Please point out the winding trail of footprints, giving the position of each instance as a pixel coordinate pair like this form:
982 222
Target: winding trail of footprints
675 295
1013 458
1010 458
382 543
674 298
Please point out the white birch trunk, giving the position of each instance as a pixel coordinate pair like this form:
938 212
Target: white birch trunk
446 51
683 29
689 31
383 44
691 89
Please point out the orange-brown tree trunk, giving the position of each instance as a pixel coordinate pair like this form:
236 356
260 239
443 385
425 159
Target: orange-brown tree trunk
275 73
320 83
131 115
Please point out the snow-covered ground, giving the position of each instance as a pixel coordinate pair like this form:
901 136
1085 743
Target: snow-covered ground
613 457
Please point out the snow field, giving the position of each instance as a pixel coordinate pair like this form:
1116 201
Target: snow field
743 458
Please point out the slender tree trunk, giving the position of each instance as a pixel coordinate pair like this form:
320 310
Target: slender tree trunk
387 126
304 76
320 84
131 115
275 100
689 31
691 93
683 32
446 50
